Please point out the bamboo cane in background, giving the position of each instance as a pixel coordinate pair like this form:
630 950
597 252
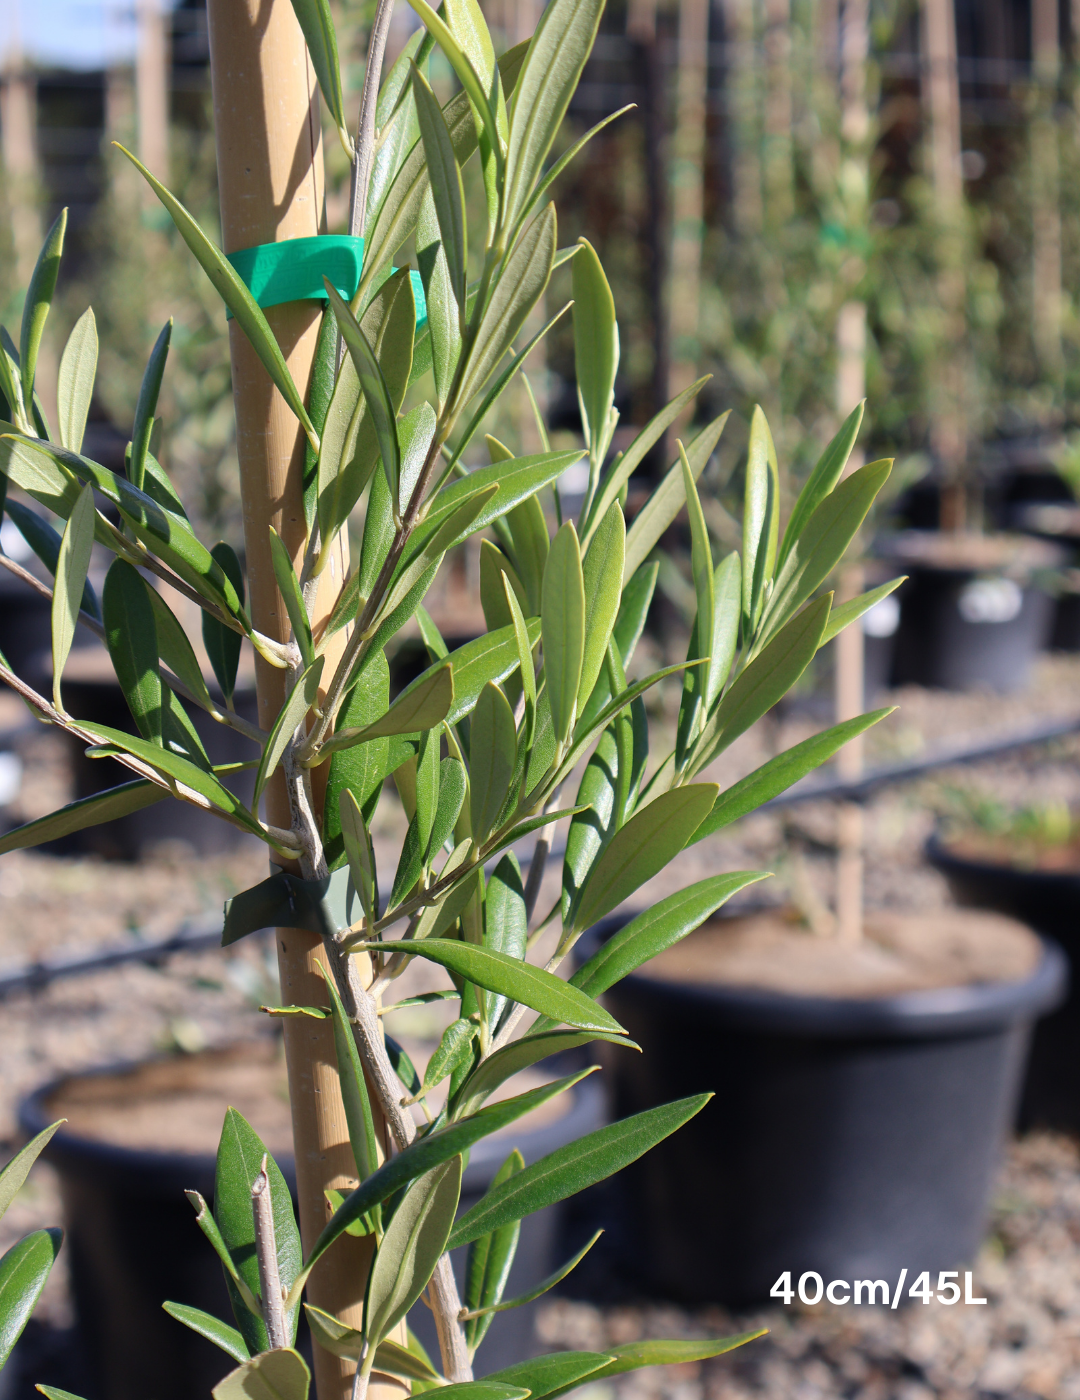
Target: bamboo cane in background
941 104
270 175
152 94
1045 189
688 193
852 52
18 128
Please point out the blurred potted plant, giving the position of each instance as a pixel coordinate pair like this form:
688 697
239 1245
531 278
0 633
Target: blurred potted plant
1025 862
480 745
869 1085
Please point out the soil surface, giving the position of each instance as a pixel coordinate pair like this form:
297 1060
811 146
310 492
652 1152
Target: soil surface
899 953
972 552
1019 852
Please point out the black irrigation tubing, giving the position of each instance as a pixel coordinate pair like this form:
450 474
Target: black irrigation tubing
32 977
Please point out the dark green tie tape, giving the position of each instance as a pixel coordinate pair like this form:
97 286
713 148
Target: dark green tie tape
294 270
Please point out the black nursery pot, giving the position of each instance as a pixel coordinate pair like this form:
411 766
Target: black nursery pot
854 1138
132 1241
1048 901
964 627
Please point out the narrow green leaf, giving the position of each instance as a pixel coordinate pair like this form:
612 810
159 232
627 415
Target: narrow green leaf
516 480
301 699
847 613
553 65
562 613
668 499
131 636
626 463
338 1339
146 407
823 540
488 1265
493 748
429 1151
354 1091
766 680
657 928
274 1375
596 349
519 1055
374 386
361 769
701 564
75 382
553 173
24 1270
650 839
175 649
521 284
594 826
72 564
760 517
86 812
782 772
222 643
17 1169
289 588
498 385
572 1168
602 574
727 608
39 295
230 287
492 658
519 981
422 706
558 1371
414 1240
462 66
630 1356
452 1050
506 920
317 24
447 190
220 1333
358 852
529 532
351 446
821 481
45 542
239 1161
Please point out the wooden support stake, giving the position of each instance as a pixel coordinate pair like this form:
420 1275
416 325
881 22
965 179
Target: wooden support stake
852 49
688 194
18 142
270 175
1045 189
152 93
941 102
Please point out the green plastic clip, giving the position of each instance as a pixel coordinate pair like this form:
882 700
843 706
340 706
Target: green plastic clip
293 270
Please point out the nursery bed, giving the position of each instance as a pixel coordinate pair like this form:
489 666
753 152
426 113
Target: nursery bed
1025 1342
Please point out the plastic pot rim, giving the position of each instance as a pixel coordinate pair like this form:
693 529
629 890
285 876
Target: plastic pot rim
937 1013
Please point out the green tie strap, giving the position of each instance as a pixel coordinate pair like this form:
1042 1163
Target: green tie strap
293 270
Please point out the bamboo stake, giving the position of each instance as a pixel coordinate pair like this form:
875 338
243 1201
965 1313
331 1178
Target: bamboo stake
741 81
18 124
688 193
1045 188
852 50
941 101
270 175
152 94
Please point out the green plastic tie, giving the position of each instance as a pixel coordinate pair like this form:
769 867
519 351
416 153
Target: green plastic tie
293 270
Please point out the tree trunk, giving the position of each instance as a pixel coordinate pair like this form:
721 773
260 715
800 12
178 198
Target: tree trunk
270 174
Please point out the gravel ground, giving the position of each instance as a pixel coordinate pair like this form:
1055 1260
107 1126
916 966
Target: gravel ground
1026 1342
